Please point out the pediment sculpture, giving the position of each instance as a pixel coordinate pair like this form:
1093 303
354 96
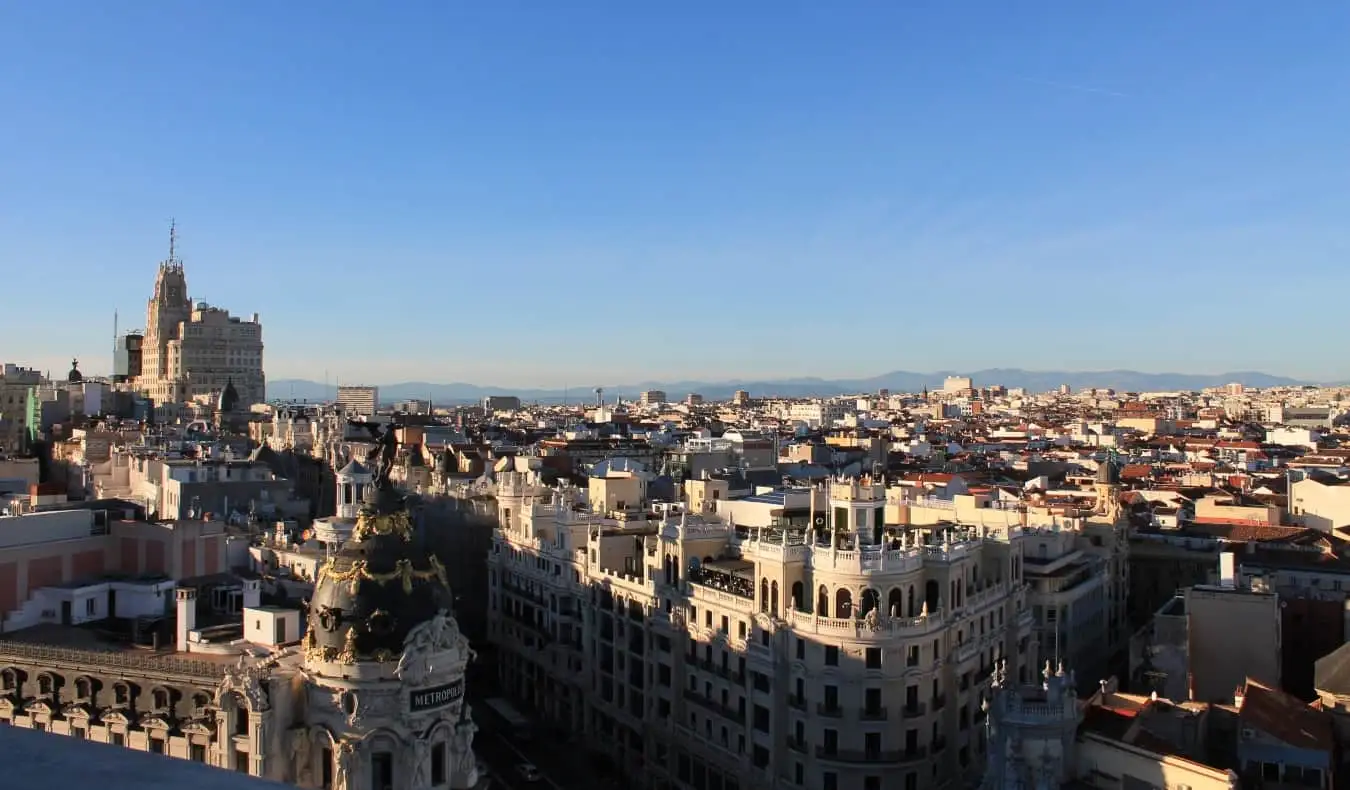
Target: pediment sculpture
426 642
248 681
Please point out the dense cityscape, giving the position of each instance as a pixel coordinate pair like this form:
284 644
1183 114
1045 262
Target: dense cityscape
969 586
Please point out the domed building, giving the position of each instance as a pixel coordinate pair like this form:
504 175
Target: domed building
229 415
385 660
75 376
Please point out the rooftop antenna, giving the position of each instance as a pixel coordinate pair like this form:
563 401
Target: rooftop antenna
173 238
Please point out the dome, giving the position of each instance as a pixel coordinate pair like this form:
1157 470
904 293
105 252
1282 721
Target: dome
352 470
229 398
75 376
1108 473
375 590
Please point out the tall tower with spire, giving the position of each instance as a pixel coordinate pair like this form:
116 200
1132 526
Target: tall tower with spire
168 306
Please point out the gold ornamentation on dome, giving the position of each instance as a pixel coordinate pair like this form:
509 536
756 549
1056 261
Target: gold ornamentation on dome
312 651
370 524
403 571
348 654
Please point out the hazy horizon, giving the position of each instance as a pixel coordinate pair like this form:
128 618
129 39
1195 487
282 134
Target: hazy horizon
518 194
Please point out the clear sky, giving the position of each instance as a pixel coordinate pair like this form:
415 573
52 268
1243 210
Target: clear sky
538 193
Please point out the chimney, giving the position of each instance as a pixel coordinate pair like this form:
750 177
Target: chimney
1227 570
186 598
252 593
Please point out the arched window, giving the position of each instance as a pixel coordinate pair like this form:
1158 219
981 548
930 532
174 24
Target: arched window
46 684
84 689
121 694
823 602
764 595
843 603
773 598
895 603
799 601
160 698
932 596
911 606
9 680
870 599
201 701
240 714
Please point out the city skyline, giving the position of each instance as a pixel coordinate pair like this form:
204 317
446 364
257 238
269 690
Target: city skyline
477 194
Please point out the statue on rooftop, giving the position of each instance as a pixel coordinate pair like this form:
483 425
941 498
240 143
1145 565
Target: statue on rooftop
381 460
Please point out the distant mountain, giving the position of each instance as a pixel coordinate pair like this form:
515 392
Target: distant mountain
896 381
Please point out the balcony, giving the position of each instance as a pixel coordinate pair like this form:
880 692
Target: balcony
939 702
797 745
829 711
883 628
914 711
726 673
714 707
872 714
870 757
798 703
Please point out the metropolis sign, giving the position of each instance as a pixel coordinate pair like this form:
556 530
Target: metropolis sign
421 700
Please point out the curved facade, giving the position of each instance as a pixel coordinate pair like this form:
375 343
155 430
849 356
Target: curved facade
822 648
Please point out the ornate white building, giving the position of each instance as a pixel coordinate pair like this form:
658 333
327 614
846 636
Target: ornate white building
369 696
791 639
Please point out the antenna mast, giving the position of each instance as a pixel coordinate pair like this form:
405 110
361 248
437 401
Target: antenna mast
173 238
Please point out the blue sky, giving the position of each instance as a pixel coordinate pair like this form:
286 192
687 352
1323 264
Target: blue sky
534 193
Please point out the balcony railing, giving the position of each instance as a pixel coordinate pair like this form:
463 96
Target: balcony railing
914 711
871 756
872 714
829 711
714 707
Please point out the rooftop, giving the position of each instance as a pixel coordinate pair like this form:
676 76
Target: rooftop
35 759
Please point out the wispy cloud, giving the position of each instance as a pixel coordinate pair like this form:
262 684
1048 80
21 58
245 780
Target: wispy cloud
1071 87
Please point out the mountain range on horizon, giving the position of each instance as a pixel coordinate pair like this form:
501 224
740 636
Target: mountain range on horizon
895 381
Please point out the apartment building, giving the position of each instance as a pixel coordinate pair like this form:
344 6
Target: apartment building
18 406
790 639
358 400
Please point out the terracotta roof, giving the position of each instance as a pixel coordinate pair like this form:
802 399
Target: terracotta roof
1246 531
1284 718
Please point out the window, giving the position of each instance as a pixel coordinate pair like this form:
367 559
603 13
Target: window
831 781
801 649
197 752
326 769
872 701
831 656
119 739
77 732
121 694
438 763
161 699
44 684
9 680
83 688
381 771
89 606
874 658
241 761
156 745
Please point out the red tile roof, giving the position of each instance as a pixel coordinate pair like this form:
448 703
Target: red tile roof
1285 718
